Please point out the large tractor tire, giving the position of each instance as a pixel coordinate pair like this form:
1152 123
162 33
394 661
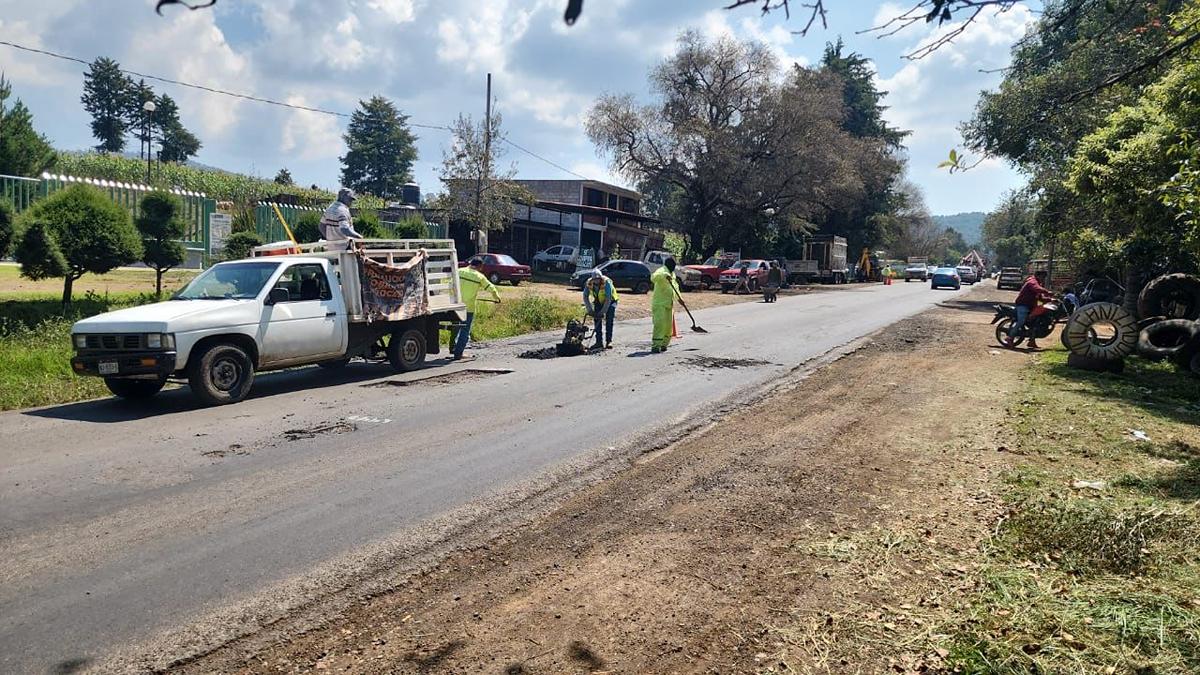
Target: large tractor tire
1166 339
1175 296
1103 331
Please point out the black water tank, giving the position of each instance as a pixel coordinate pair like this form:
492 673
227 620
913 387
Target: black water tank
410 194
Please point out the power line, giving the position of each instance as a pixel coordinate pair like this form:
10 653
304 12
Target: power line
259 99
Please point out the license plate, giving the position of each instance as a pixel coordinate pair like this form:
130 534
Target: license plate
108 368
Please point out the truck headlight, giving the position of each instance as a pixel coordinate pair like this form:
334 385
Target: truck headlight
160 341
79 340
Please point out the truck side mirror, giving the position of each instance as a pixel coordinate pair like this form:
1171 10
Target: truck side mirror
278 295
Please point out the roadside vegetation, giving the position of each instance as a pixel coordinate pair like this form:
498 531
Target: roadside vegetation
1094 566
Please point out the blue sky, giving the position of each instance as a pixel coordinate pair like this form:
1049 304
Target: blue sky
431 57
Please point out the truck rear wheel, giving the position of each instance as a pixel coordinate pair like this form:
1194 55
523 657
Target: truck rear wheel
223 374
134 389
406 350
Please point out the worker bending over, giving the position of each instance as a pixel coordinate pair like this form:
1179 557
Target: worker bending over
662 305
471 281
600 299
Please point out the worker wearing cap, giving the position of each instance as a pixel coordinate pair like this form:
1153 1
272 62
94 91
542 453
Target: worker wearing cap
337 227
662 305
600 299
471 281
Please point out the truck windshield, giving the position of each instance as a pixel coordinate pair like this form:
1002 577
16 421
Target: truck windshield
238 281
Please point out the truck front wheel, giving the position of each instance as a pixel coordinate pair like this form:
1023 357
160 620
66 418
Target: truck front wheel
222 374
134 389
406 350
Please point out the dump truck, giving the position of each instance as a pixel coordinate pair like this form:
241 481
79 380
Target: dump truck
824 260
286 306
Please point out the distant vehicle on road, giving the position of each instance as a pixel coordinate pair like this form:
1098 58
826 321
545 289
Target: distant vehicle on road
689 279
558 258
917 268
710 271
824 260
268 312
1010 279
967 274
756 269
945 277
497 267
630 274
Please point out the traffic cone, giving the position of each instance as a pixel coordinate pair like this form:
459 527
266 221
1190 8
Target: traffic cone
674 329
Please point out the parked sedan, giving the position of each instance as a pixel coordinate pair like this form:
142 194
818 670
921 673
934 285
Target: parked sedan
967 274
499 268
946 277
629 274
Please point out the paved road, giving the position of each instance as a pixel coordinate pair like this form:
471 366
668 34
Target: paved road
118 522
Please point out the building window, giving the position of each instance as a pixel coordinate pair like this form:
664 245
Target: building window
612 202
593 197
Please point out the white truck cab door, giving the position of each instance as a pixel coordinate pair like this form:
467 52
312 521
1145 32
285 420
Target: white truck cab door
310 324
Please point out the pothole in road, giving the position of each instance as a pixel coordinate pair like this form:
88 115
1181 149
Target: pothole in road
730 364
457 377
339 427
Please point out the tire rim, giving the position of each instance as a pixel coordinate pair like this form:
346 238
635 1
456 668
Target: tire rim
225 374
411 351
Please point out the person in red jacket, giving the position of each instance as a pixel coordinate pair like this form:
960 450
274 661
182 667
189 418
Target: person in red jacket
1032 292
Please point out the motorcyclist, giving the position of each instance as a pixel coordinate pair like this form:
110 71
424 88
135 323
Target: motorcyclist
337 226
1032 292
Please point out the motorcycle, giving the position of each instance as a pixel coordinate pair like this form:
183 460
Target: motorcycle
1040 323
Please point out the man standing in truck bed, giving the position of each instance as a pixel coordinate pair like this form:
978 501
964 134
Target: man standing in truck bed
470 282
337 227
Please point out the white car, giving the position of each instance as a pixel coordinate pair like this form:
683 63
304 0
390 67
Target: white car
561 257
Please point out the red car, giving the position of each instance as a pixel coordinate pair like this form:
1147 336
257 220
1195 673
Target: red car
497 267
756 270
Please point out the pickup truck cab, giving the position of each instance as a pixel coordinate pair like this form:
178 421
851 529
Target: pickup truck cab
266 313
710 271
689 279
756 269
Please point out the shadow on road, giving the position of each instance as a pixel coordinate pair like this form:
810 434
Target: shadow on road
988 306
114 410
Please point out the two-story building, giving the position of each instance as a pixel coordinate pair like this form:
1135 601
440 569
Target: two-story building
583 213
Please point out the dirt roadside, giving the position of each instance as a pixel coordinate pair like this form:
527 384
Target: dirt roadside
740 549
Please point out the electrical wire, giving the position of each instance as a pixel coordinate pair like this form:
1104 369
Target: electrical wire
259 99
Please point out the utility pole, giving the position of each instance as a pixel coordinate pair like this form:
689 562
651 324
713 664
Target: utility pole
481 242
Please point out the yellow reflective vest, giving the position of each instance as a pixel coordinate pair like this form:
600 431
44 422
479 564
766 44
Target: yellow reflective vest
665 287
471 282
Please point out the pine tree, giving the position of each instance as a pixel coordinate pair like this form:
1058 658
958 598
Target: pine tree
381 149
23 151
864 113
138 122
284 177
178 144
105 97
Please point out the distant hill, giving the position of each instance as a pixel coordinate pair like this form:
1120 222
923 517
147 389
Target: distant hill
970 224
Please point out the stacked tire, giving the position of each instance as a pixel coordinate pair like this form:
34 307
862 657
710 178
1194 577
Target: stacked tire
1100 336
1173 300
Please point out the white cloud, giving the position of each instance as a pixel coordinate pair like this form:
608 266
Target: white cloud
310 135
396 11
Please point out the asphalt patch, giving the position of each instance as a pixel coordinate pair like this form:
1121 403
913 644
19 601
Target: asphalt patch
728 364
552 353
234 449
456 377
320 430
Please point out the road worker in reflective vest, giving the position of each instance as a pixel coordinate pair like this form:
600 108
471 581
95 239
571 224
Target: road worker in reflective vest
600 299
662 305
470 281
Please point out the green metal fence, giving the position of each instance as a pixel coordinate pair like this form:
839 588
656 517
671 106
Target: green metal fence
197 207
268 225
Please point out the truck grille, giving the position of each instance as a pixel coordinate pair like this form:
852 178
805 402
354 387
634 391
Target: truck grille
115 342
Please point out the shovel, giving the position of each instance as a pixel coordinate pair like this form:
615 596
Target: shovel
695 328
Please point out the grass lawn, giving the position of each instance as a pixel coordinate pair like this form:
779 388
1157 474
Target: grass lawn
1102 576
122 280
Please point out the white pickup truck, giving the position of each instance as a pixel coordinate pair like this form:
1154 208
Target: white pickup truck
267 312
